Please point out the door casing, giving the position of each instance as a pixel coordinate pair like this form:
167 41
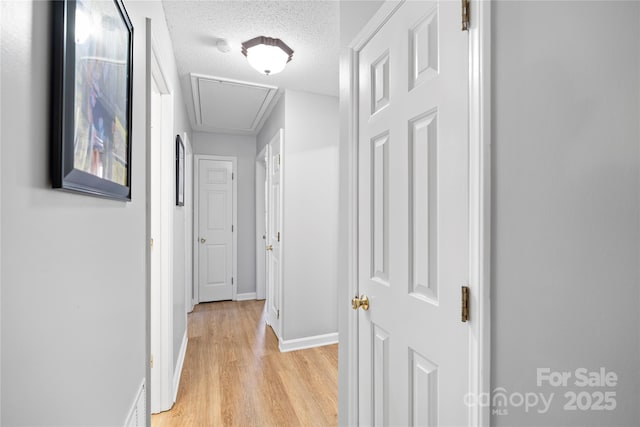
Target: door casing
261 229
196 223
479 211
190 302
160 307
277 322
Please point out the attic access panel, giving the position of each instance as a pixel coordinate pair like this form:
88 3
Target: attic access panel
229 105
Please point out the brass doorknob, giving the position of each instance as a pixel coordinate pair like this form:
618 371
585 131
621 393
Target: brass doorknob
363 302
270 247
202 240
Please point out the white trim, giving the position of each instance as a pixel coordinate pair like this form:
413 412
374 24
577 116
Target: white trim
479 200
167 203
196 222
261 275
195 230
180 363
308 342
188 224
279 321
352 242
162 303
480 208
247 296
261 116
147 249
1 20
283 228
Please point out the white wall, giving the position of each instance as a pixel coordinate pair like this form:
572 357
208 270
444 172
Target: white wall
73 267
566 94
243 147
310 215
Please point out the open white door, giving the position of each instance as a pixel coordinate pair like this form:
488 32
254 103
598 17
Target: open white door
274 232
411 77
216 230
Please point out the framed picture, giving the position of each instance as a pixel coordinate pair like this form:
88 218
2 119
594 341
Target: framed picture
179 171
91 87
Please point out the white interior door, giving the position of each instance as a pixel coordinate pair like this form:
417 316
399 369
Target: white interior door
215 229
274 232
413 216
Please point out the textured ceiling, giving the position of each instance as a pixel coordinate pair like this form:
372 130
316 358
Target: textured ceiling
310 28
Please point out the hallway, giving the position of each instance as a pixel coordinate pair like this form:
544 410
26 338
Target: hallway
234 374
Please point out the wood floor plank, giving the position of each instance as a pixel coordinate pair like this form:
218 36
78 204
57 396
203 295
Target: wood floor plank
235 375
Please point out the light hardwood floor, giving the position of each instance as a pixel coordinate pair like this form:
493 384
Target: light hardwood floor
234 374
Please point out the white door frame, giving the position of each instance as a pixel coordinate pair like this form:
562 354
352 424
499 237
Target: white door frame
479 207
261 179
188 224
279 321
196 221
161 323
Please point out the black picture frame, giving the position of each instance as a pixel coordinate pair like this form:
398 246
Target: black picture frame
91 98
179 171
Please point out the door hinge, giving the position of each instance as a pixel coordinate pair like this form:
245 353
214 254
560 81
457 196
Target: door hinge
278 314
232 228
465 15
151 361
278 159
232 280
151 243
278 236
232 176
465 304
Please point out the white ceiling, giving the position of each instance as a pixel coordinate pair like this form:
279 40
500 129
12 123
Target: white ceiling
310 28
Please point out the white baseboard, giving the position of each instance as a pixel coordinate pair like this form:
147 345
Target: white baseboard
308 342
177 373
246 297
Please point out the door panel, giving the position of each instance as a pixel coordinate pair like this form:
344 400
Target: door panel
216 264
423 209
424 391
380 376
215 228
216 210
380 211
412 218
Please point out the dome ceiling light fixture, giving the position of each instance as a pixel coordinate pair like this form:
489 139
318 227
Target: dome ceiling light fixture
267 55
